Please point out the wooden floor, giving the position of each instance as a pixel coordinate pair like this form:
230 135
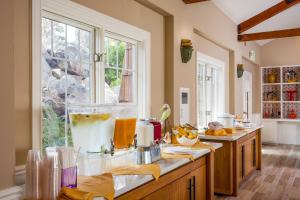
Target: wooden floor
279 178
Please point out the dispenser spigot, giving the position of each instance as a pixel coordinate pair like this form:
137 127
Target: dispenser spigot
112 147
135 141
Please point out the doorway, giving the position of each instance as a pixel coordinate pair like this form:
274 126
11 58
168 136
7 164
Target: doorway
247 94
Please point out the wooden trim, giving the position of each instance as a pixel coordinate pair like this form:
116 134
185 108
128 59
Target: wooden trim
270 12
259 160
210 184
193 1
235 169
226 172
269 35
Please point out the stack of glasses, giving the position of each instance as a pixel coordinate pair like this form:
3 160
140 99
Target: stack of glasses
45 177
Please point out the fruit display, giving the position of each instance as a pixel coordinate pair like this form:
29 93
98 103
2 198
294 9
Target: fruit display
186 134
220 132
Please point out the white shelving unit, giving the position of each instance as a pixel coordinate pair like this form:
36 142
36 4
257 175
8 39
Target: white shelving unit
276 106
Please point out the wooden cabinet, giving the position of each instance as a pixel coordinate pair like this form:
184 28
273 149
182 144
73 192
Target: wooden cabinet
197 181
235 161
247 156
189 187
177 190
193 181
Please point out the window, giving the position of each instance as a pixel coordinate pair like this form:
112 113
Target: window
71 75
67 49
120 70
210 89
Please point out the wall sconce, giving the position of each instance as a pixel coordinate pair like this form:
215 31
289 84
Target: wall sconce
240 70
186 49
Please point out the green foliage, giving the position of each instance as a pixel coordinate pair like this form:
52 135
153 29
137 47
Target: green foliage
53 128
115 56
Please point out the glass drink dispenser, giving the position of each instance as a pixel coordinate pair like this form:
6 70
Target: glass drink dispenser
92 126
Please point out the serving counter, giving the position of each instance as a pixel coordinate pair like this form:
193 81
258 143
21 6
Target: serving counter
180 179
239 156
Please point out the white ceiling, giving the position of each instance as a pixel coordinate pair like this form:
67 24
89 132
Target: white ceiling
241 10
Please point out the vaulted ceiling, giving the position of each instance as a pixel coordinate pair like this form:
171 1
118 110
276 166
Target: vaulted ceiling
277 18
241 10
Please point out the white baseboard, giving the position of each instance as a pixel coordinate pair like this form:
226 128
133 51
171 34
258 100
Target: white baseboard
20 174
13 193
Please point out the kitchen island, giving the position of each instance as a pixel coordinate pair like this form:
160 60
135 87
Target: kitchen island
180 179
239 156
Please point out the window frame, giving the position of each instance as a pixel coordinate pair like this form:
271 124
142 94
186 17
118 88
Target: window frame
85 27
115 36
104 24
213 63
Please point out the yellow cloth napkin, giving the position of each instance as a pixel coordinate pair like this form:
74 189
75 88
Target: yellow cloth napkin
167 156
124 132
150 169
74 194
201 145
99 186
197 145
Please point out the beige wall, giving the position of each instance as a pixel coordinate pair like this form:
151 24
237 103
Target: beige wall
246 47
7 150
285 51
209 20
22 79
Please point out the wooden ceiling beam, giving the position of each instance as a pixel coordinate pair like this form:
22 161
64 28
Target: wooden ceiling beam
269 35
193 1
270 12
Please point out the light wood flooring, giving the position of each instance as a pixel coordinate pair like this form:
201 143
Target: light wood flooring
279 178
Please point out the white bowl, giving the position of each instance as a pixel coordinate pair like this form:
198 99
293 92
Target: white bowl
186 141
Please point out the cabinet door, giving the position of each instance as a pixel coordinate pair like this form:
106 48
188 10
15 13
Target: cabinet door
177 190
241 158
198 182
248 157
251 155
269 131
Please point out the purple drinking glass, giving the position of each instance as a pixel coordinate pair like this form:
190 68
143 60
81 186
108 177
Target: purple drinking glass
69 177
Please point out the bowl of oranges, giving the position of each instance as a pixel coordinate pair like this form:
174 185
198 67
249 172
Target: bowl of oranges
186 135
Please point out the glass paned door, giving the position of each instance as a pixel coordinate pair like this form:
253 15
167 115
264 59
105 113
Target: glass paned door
201 94
67 69
247 94
210 93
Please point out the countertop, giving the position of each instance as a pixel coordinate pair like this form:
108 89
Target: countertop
125 183
231 137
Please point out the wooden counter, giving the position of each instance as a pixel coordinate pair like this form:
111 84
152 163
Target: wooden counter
192 181
236 160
